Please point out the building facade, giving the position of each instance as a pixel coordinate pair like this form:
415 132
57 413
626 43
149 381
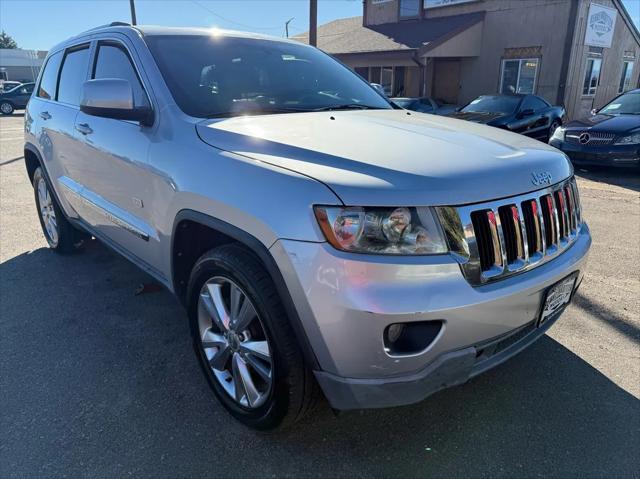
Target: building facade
20 65
577 53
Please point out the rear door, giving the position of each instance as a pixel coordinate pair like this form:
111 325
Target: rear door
112 169
51 116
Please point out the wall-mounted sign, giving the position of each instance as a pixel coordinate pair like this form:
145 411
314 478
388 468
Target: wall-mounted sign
443 3
601 23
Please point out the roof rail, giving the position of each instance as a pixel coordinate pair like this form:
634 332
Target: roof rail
112 24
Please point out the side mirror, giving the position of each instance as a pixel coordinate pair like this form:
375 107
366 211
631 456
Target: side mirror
594 111
113 98
527 112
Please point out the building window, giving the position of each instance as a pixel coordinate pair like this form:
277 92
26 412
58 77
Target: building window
363 72
519 75
409 8
625 78
386 79
592 76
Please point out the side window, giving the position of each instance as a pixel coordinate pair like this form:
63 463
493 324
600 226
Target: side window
533 103
113 62
27 89
73 75
49 78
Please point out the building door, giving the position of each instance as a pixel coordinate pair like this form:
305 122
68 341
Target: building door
446 80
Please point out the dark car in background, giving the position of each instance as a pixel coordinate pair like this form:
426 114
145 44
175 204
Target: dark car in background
425 105
526 114
16 98
8 85
609 137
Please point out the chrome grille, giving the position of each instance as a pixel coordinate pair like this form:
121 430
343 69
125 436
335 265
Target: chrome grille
497 239
586 137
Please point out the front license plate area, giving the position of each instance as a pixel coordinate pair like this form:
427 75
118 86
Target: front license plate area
557 297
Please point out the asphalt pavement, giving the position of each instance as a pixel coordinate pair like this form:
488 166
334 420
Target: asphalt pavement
96 381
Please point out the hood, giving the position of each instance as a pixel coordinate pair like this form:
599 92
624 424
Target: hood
390 157
619 124
485 117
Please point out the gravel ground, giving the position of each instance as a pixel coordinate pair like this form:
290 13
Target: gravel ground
98 382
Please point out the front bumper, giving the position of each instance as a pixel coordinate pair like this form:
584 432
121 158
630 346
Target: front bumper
346 301
608 155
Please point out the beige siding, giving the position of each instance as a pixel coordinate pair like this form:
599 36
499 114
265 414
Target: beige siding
579 105
516 24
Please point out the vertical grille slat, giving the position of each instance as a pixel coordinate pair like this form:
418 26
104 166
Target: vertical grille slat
511 235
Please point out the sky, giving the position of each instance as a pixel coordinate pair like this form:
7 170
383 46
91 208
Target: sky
40 24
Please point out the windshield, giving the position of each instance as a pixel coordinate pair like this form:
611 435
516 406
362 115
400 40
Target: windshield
11 87
219 76
628 104
493 104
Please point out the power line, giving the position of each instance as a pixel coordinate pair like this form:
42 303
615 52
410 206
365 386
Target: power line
243 25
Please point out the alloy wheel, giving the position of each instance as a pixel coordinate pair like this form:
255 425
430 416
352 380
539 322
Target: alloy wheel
234 342
6 108
47 212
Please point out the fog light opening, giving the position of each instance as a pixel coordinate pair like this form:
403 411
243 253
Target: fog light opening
402 339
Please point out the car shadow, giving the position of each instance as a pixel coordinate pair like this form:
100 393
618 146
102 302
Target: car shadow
15 114
97 380
628 178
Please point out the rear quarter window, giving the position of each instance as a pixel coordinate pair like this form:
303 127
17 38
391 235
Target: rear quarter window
47 87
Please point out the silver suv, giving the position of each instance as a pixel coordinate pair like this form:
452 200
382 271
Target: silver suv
320 239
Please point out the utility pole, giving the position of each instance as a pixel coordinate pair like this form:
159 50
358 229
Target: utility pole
133 12
313 22
286 26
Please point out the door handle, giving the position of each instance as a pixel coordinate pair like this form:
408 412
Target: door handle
45 115
84 128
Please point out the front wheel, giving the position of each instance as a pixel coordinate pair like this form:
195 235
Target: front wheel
6 108
244 341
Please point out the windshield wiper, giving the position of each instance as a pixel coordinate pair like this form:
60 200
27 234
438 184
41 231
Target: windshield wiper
256 111
347 106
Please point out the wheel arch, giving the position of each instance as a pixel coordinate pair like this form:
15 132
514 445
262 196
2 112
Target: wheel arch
194 233
32 160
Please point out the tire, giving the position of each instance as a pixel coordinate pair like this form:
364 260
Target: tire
290 391
6 108
61 236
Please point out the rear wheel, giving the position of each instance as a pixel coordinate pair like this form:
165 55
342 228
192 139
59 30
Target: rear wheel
244 342
6 108
59 233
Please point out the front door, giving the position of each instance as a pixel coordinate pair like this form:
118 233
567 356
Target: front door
446 80
112 173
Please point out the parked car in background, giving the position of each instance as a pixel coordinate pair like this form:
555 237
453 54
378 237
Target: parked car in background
8 85
526 114
16 98
318 241
425 105
609 137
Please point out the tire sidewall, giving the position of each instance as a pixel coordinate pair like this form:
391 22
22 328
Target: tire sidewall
268 415
37 176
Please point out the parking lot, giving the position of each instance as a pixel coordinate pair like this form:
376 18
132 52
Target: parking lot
96 381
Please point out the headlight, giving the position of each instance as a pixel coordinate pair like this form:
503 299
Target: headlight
633 139
558 134
399 231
